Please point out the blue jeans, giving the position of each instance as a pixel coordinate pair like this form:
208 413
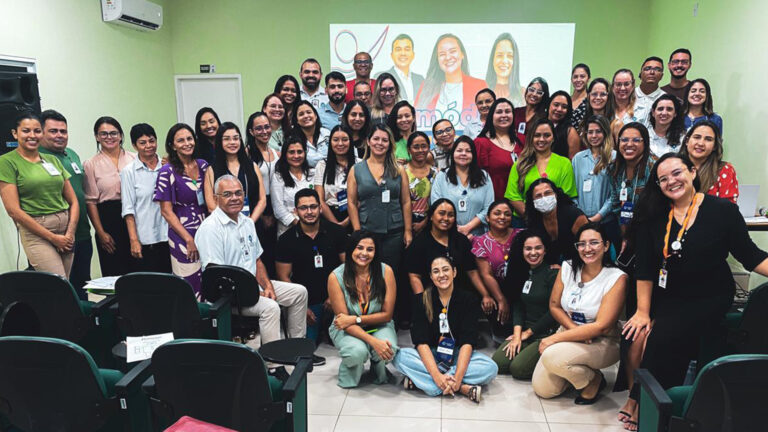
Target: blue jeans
480 371
313 331
81 266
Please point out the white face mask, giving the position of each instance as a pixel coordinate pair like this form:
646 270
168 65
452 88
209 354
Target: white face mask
545 204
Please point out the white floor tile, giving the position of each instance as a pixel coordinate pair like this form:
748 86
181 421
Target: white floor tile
387 424
452 425
504 399
561 427
390 401
324 397
332 360
562 409
321 423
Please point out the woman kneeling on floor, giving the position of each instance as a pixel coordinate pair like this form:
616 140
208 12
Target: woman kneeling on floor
362 295
586 299
444 331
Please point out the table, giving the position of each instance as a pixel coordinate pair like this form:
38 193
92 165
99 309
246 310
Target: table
752 226
287 351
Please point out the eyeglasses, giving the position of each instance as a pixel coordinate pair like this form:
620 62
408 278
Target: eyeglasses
653 69
363 94
304 208
445 131
535 91
674 174
592 244
600 94
111 134
391 90
362 62
261 128
228 194
680 62
626 140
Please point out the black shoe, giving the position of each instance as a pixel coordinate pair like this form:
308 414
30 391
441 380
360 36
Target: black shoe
317 360
584 401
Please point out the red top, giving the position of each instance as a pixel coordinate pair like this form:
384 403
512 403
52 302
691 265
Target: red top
470 87
351 89
726 186
497 162
519 118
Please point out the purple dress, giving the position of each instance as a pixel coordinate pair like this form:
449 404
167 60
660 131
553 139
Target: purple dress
186 195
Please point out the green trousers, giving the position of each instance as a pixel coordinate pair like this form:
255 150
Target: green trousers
522 366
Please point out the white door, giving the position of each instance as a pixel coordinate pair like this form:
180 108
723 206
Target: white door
223 93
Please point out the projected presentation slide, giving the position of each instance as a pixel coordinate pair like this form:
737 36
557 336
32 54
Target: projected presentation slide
440 67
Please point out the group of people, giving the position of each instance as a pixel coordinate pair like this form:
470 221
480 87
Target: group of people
553 219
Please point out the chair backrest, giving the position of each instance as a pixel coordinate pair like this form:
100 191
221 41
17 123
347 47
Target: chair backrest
19 319
51 385
51 297
730 394
153 303
219 382
754 323
232 281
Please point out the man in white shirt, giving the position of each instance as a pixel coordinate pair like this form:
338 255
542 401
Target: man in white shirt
402 56
648 91
228 237
311 74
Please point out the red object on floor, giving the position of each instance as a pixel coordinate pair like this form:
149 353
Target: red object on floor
188 424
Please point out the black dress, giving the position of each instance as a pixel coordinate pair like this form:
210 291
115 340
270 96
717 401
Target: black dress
700 286
563 247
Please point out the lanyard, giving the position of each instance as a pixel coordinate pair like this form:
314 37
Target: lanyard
364 306
677 245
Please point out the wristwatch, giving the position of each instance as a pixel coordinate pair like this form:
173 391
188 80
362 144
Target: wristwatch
358 320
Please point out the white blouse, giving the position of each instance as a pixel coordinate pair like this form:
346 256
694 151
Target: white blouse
585 299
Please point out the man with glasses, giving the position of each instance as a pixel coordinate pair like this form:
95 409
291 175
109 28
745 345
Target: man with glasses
362 64
648 91
228 237
363 93
330 111
679 65
306 254
310 74
402 56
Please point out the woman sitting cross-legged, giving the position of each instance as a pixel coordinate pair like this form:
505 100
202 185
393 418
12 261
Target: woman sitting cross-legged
528 284
362 295
586 300
444 331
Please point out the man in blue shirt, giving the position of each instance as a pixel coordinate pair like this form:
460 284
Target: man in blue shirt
330 112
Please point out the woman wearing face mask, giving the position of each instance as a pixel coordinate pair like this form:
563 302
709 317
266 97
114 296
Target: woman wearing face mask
537 161
684 283
580 75
147 230
420 177
586 301
598 102
528 284
444 332
179 191
590 171
307 124
331 177
497 146
291 175
697 105
666 126
279 123
567 141
102 195
552 212
206 125
386 93
440 238
483 100
357 119
402 123
467 186
287 88
703 145
445 135
536 103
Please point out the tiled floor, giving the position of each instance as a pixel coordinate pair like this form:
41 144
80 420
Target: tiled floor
508 405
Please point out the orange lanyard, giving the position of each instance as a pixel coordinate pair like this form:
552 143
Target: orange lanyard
676 245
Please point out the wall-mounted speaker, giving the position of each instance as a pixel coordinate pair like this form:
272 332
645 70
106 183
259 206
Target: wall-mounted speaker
18 92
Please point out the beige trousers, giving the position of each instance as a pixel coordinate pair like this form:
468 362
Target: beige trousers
291 296
41 253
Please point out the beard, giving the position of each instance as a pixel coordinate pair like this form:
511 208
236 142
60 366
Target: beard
310 85
678 74
336 98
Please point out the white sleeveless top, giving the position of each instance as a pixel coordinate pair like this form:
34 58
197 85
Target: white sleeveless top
585 300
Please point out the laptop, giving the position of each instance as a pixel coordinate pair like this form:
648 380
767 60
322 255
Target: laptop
747 200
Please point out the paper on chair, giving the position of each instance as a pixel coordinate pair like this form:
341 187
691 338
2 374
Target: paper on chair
141 347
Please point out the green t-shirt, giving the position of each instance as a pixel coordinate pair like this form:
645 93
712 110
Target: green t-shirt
40 192
559 170
71 162
401 150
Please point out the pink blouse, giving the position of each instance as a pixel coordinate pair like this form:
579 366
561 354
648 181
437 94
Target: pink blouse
102 178
486 247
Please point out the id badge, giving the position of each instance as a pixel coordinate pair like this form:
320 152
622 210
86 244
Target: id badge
626 212
587 187
663 278
521 128
623 194
444 327
318 261
463 205
51 168
514 157
200 197
445 350
527 286
341 197
76 168
385 196
246 207
578 317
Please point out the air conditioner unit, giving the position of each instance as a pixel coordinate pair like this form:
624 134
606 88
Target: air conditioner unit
137 14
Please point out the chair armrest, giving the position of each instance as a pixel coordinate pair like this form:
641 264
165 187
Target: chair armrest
148 387
299 374
107 307
655 404
220 315
131 382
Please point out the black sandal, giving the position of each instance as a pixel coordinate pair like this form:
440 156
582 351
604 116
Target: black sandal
584 401
408 384
474 393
